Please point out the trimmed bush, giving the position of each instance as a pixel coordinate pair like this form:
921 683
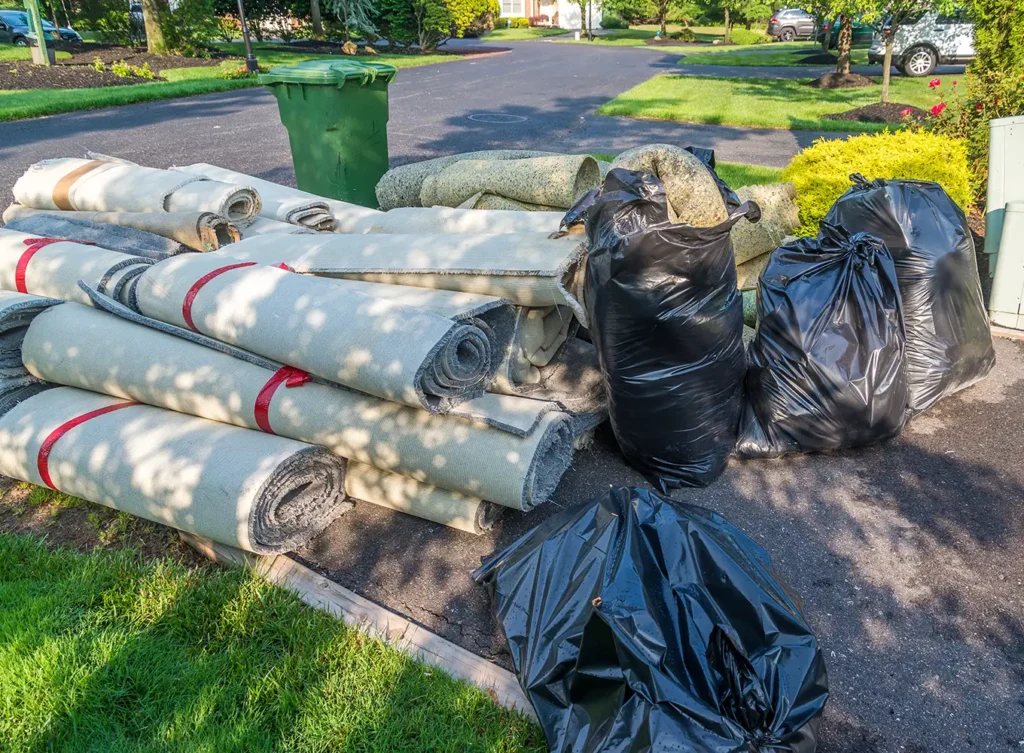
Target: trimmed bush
515 23
610 20
686 35
821 172
744 36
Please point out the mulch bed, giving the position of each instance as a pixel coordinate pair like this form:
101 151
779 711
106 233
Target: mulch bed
27 76
661 42
85 54
78 73
841 81
818 59
334 48
890 112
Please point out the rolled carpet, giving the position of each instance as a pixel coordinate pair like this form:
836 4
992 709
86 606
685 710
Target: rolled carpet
247 489
47 267
115 186
287 204
749 272
779 218
199 231
528 269
382 348
17 310
265 226
555 181
693 196
459 511
432 220
401 186
124 239
94 350
496 202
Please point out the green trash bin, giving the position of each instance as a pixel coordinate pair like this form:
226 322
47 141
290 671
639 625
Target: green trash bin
336 113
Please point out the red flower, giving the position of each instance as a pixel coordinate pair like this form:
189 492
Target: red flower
955 83
979 106
937 110
906 111
933 83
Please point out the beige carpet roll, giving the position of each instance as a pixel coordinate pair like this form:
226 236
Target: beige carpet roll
459 511
287 204
432 220
779 218
382 348
401 186
30 264
555 181
265 226
91 349
247 489
528 269
693 196
115 186
199 231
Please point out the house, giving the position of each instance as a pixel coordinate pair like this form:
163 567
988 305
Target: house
561 13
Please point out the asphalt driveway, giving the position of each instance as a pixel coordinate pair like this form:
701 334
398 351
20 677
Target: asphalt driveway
537 95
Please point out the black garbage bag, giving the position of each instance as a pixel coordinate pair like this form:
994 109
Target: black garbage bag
827 367
667 321
949 343
637 623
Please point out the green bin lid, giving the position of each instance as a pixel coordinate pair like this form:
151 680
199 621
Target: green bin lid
329 73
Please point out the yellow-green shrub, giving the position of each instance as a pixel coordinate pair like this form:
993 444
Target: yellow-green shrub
821 172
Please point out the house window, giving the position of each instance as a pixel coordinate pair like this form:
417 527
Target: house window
512 8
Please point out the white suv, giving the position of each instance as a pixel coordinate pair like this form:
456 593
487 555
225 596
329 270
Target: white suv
927 41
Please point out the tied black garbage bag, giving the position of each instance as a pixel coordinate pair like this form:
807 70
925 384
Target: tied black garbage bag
949 344
640 624
667 321
827 367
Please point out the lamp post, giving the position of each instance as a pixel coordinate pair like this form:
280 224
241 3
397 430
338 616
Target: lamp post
250 60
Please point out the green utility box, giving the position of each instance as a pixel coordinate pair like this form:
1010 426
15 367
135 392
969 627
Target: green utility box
336 113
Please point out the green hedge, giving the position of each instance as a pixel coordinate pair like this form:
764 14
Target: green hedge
743 36
821 172
612 20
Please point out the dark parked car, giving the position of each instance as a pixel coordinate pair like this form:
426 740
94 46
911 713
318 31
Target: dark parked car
16 29
792 23
862 33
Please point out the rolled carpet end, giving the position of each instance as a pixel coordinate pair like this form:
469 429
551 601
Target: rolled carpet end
254 491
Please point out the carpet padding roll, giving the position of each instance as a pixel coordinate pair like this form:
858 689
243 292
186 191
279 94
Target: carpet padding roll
17 310
103 185
553 181
198 231
779 218
529 269
47 267
247 489
401 186
378 347
124 239
430 220
693 196
94 350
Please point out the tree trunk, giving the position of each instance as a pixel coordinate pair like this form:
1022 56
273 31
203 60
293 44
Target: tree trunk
154 14
844 43
725 37
314 18
886 66
663 17
748 24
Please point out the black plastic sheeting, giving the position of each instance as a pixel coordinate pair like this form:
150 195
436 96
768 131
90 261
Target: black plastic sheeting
827 367
949 344
637 623
667 321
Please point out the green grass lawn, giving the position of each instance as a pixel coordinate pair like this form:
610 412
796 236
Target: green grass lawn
181 82
773 55
520 35
765 103
107 652
9 52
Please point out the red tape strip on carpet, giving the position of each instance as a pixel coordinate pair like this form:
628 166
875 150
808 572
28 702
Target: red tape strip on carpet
289 376
190 296
43 458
